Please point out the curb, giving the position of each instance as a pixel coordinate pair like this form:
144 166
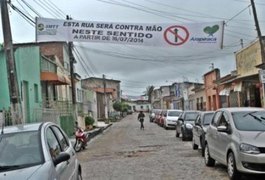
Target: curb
91 134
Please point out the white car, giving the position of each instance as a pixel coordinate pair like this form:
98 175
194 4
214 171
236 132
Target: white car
171 118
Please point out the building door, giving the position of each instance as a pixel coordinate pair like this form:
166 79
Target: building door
25 101
100 106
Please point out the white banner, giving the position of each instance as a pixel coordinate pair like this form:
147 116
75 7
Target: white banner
208 35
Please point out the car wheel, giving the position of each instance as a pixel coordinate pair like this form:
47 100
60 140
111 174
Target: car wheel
177 134
202 146
231 167
209 161
78 145
183 136
194 146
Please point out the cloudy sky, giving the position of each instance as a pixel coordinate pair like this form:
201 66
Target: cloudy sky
140 66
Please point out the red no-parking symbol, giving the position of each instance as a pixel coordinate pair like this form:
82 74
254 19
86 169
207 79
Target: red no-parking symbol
176 35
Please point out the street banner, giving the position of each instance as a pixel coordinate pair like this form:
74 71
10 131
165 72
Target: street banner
205 35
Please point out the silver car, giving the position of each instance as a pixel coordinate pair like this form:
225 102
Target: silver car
236 138
199 129
37 151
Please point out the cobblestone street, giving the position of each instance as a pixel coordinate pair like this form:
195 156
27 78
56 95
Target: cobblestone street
124 152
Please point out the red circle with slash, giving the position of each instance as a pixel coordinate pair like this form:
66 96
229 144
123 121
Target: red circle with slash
176 35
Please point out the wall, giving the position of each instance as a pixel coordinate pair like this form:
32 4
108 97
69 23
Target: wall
247 59
4 93
211 91
98 83
28 73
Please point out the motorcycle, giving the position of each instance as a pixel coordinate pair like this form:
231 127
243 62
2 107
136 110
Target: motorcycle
81 139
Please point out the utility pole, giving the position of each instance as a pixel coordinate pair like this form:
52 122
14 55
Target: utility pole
258 31
11 66
105 98
72 73
262 66
242 43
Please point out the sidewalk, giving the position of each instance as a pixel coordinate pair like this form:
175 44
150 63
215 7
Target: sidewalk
101 126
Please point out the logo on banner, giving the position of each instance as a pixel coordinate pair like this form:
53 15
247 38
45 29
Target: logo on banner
176 35
210 31
40 27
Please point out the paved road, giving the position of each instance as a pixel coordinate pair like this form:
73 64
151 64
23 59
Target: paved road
124 152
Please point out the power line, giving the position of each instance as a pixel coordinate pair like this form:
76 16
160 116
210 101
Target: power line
55 8
25 9
55 13
237 14
132 7
43 7
31 8
28 19
162 12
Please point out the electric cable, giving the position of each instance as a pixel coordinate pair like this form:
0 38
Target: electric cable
31 8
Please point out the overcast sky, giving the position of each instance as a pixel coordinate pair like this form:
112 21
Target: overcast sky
168 65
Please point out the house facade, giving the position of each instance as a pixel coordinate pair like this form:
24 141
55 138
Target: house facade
27 60
107 92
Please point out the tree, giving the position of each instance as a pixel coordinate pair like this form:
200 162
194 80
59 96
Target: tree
149 91
120 106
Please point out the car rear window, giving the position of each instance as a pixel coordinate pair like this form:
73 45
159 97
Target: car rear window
207 118
191 116
174 113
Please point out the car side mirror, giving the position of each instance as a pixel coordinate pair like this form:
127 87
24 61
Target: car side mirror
63 156
223 129
180 120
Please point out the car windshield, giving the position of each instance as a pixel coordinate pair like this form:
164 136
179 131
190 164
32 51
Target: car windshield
249 120
191 116
174 113
19 150
207 118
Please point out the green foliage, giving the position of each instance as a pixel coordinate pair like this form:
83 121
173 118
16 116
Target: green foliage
117 106
89 120
120 106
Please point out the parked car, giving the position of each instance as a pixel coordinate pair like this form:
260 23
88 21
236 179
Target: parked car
235 138
171 118
162 118
185 124
199 129
37 151
158 115
130 111
152 115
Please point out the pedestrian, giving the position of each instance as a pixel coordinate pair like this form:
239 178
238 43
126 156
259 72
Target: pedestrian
141 119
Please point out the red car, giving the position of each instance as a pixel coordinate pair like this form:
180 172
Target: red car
157 115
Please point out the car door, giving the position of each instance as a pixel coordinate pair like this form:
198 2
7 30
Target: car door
196 130
55 148
179 123
65 146
223 138
212 134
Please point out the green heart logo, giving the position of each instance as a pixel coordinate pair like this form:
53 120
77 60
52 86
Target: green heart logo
211 30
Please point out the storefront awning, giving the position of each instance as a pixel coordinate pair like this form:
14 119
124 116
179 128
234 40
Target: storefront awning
224 92
54 78
238 87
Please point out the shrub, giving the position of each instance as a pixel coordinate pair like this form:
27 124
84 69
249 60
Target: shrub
89 120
